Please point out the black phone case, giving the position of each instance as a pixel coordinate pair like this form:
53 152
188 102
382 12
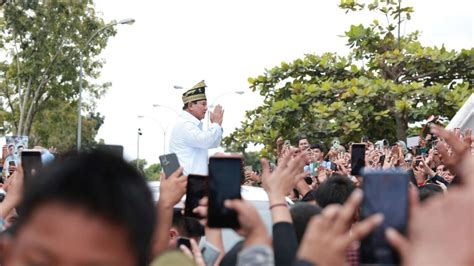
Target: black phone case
183 241
196 189
357 159
31 161
386 192
169 163
225 175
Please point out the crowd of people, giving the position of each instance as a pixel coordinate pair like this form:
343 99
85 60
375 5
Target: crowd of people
422 162
93 208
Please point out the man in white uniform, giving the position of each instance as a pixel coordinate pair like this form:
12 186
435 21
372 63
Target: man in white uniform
188 140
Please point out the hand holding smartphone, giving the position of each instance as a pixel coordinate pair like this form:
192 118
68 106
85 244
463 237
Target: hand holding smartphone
386 192
169 163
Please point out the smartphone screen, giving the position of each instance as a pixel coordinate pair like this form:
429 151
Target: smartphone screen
31 163
357 158
225 174
196 189
386 192
170 163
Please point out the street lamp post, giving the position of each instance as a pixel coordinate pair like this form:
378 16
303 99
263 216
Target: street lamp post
162 129
138 146
165 129
128 21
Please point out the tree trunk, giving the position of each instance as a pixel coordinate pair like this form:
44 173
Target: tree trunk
402 126
23 101
30 124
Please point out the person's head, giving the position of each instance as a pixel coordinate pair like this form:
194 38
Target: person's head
183 226
195 101
335 189
301 213
429 190
197 108
422 142
440 169
310 197
11 149
88 209
303 143
318 152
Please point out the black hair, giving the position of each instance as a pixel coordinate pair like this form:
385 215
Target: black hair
301 214
318 146
104 185
187 226
302 137
429 190
185 106
309 196
336 189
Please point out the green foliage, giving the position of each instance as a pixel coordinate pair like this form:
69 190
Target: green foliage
56 126
42 41
386 82
152 173
141 164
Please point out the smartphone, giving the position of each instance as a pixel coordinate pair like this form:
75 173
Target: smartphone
418 152
357 158
333 166
169 163
314 169
225 174
196 189
31 163
183 241
417 163
287 143
248 168
11 163
386 192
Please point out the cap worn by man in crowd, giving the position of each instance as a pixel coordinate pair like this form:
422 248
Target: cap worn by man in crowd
196 93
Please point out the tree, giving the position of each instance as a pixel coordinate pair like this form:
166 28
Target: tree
42 41
57 126
141 165
386 82
152 173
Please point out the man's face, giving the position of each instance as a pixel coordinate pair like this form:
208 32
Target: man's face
198 109
11 150
303 144
60 234
318 155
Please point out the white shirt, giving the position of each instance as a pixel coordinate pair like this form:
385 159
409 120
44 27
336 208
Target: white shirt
191 143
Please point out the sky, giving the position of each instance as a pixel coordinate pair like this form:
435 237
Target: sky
181 42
